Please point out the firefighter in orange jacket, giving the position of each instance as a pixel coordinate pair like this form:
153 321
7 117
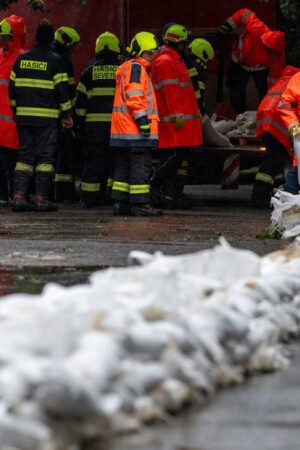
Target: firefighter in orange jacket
276 138
134 129
258 52
289 112
180 121
12 33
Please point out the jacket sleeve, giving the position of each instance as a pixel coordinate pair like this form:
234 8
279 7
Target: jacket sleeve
12 88
134 91
247 18
60 79
167 84
81 100
288 105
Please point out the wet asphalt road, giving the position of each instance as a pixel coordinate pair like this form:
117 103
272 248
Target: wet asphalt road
68 245
65 247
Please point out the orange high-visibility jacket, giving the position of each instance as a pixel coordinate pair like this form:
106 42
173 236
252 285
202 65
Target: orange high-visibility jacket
268 119
134 99
175 98
8 129
249 50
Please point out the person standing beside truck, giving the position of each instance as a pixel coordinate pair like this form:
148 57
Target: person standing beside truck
258 52
134 129
179 125
38 92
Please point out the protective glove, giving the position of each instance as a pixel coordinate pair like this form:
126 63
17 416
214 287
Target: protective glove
67 122
179 122
225 28
294 130
145 130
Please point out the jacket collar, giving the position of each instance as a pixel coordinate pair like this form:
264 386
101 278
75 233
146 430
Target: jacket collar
171 51
142 61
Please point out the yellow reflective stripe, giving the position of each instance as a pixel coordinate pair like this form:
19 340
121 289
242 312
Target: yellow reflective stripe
23 167
264 177
201 85
119 186
193 71
198 94
100 91
38 112
65 106
81 88
90 187
12 75
60 77
44 168
80 112
139 189
110 182
72 80
12 102
33 83
98 117
182 172
63 177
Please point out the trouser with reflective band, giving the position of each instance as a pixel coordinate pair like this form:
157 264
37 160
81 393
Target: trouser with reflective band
237 81
97 165
132 174
65 166
273 163
8 159
37 152
170 175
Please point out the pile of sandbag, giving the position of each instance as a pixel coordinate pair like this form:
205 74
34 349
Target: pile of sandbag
244 125
139 343
286 214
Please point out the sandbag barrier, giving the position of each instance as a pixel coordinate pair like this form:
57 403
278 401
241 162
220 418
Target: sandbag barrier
137 344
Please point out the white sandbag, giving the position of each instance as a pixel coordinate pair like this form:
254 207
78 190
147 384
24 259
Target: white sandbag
212 136
141 376
24 434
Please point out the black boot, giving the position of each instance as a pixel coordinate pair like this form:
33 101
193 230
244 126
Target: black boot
122 209
145 210
261 194
21 185
43 183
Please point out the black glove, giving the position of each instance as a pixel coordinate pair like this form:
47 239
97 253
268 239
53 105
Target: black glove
144 127
225 28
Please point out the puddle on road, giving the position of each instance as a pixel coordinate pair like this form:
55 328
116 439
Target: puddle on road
31 280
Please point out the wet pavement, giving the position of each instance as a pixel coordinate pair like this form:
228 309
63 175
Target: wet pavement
65 247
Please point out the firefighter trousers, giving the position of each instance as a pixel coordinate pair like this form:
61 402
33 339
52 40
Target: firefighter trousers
132 173
65 166
97 166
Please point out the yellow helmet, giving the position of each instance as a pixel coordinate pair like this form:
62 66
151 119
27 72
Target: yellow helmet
202 49
108 40
67 36
176 33
143 42
5 28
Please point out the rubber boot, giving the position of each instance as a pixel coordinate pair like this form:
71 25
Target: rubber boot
65 191
261 194
21 186
145 210
122 209
43 184
89 199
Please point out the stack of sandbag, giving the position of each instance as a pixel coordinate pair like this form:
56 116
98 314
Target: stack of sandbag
139 343
213 132
244 125
286 213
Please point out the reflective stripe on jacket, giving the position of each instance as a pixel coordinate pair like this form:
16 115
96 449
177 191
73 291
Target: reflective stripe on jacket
175 98
249 51
38 87
95 92
134 99
267 117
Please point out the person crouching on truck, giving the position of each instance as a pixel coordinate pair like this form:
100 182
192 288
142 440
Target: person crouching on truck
275 136
258 52
179 127
134 129
65 39
37 103
93 108
12 37
289 111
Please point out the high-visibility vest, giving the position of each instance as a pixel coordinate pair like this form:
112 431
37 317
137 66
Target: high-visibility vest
134 99
175 98
268 119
